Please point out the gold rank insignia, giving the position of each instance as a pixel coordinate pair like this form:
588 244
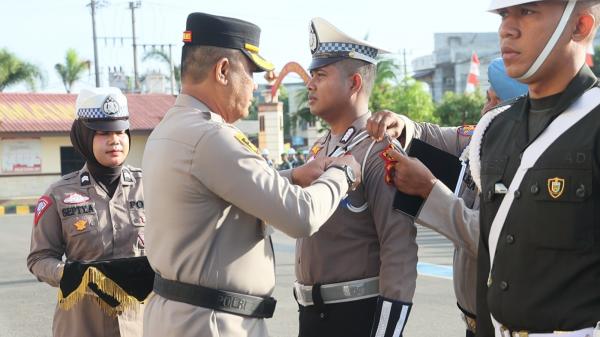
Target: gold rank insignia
556 187
80 225
246 142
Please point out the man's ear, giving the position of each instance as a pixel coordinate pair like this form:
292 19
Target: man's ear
584 27
357 82
221 70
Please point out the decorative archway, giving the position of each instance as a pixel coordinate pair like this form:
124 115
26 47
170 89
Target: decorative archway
291 67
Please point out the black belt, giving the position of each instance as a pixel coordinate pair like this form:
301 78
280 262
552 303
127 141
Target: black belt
220 300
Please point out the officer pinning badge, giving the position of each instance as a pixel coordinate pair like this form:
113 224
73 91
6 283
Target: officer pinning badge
80 225
246 142
347 135
466 130
84 179
75 198
110 106
43 204
556 187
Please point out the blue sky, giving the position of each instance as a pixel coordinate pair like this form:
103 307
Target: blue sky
40 31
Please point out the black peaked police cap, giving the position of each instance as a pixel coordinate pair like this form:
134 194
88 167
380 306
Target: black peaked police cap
203 29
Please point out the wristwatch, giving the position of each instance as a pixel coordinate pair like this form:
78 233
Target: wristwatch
349 174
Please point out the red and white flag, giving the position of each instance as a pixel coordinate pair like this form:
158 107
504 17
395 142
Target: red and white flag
589 56
473 78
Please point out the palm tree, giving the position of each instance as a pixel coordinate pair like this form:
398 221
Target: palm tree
14 71
387 70
159 55
71 71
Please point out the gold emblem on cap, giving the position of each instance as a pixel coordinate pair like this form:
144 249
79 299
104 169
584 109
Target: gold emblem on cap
80 225
187 36
250 47
556 187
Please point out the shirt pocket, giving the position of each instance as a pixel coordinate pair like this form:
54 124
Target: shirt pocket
564 210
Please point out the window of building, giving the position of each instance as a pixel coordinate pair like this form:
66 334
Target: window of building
70 160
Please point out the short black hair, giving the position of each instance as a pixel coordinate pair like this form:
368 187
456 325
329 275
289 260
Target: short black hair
366 70
197 61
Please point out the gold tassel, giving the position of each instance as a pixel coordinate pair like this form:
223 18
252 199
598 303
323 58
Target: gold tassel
106 285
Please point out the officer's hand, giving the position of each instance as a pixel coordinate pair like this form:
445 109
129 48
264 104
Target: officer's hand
383 122
305 175
411 176
354 165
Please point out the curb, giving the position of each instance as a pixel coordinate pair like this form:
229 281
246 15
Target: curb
17 209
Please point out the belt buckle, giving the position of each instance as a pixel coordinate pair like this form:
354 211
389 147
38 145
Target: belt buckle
354 290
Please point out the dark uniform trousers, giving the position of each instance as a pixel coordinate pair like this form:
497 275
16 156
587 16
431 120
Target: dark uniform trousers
546 272
346 319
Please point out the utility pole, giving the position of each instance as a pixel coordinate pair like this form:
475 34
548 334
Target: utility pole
171 64
404 63
96 66
133 6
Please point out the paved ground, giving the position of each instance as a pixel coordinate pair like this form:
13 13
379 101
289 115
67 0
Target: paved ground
26 306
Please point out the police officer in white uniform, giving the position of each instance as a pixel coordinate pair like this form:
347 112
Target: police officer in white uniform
209 194
96 213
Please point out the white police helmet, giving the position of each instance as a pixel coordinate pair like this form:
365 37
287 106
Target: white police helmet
103 109
496 5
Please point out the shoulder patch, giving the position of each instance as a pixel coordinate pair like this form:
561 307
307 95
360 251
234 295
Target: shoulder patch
246 142
43 204
466 130
84 179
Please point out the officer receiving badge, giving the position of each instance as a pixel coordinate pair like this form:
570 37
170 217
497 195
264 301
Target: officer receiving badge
556 187
329 44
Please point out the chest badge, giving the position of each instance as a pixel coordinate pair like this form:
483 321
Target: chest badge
75 198
80 225
556 187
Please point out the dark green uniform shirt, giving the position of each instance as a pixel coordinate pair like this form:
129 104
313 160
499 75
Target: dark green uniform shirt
546 273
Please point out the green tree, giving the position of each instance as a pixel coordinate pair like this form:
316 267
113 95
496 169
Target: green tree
458 109
72 70
413 100
161 56
14 71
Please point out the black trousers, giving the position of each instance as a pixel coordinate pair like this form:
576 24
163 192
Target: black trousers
470 333
348 319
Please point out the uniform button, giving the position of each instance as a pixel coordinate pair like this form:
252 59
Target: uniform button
503 286
322 315
489 281
535 189
580 192
510 239
517 194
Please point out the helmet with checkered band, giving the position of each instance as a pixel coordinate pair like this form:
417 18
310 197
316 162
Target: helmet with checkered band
329 45
103 109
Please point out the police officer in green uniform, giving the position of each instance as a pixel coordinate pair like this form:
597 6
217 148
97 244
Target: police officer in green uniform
210 195
454 214
536 161
93 214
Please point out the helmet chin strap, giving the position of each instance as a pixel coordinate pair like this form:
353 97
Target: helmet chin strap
552 42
